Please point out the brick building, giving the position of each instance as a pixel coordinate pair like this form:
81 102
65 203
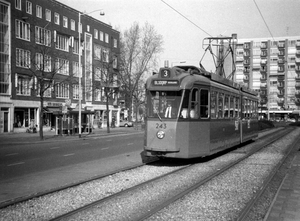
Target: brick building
30 27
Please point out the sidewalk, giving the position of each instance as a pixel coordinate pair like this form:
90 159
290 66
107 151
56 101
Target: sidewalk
50 136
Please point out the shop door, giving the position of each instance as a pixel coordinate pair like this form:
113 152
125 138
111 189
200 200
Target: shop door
5 122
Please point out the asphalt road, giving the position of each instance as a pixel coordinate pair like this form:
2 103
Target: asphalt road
23 159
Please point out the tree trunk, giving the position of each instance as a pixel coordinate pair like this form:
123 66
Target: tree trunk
41 119
107 114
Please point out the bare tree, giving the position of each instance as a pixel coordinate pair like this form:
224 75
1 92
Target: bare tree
47 67
106 82
139 48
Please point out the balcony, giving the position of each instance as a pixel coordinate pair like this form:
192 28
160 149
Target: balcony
263 85
246 46
280 94
263 45
246 78
297 94
280 85
298 44
281 45
264 78
280 61
280 101
297 52
264 53
246 70
297 60
297 68
297 101
263 69
281 53
297 85
263 61
280 69
297 78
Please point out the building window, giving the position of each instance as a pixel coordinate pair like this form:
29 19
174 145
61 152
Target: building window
56 18
28 7
76 91
62 66
97 52
65 22
75 68
97 94
24 85
115 43
39 11
43 62
48 15
88 28
106 38
47 88
42 36
18 4
22 30
72 25
101 36
62 90
115 62
76 46
105 55
5 35
95 33
97 76
62 42
23 58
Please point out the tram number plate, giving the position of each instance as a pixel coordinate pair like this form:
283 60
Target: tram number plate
161 126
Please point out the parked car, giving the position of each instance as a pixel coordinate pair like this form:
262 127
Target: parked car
125 123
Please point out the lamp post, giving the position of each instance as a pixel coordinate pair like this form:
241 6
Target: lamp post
80 69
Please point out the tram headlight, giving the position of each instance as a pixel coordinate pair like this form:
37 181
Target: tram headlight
160 134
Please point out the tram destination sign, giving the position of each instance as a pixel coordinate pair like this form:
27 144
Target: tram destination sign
165 83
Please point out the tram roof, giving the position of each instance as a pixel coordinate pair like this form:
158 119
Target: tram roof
179 73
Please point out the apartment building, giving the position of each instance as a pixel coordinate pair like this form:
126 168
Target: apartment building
271 66
30 27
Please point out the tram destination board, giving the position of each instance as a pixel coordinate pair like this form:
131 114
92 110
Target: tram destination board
165 83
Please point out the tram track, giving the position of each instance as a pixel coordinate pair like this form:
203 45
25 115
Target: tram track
209 171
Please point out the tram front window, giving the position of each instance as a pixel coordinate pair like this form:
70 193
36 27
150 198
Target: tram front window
163 104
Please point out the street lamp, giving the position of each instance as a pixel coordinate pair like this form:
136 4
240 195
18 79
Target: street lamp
80 70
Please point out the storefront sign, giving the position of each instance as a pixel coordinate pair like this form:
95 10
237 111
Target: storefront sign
52 104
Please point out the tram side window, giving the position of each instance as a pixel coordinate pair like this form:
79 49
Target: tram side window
203 103
185 104
232 106
221 105
226 106
237 107
194 112
213 104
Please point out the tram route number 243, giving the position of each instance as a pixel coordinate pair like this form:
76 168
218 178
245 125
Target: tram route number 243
161 126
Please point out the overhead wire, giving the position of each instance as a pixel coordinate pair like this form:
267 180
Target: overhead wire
263 19
186 18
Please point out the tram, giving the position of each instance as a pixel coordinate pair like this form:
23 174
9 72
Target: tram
194 113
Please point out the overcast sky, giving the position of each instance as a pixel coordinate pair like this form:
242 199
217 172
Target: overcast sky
183 34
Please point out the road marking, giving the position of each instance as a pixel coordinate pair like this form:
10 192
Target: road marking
105 148
52 148
15 164
11 154
129 144
70 154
